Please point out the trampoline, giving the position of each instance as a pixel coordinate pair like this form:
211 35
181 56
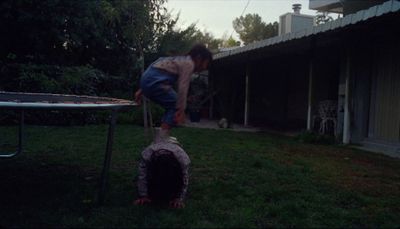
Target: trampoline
21 102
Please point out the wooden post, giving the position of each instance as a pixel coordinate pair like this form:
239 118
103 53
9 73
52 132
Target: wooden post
145 115
146 106
247 98
310 94
211 108
211 89
346 122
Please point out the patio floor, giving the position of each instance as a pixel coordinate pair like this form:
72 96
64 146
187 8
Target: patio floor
213 124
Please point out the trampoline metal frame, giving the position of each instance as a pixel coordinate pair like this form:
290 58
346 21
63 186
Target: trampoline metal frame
20 138
110 135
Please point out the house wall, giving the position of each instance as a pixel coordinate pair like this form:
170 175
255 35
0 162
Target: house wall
344 6
228 81
297 98
325 5
361 67
326 77
351 6
300 22
384 123
291 23
268 93
284 24
238 101
374 88
278 93
358 64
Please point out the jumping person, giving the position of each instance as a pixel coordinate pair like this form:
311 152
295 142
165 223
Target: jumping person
159 78
163 175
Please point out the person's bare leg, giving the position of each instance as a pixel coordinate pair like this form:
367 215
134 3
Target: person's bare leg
164 134
164 131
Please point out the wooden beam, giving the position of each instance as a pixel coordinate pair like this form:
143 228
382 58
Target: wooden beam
211 76
310 94
247 98
346 122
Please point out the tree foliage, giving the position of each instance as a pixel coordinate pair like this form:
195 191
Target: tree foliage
251 28
187 37
104 33
107 36
231 42
91 47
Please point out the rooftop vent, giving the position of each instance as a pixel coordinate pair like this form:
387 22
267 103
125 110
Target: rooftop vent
293 22
296 8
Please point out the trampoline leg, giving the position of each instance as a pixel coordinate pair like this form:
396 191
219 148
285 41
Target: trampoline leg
107 158
20 138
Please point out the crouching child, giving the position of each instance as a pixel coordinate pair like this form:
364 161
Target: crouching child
163 175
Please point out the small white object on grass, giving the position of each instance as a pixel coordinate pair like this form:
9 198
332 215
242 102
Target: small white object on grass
223 123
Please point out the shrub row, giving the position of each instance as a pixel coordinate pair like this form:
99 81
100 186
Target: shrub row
75 80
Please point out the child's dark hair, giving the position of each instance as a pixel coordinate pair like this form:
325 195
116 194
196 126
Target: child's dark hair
165 180
200 50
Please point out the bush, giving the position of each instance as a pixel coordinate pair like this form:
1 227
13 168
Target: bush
75 80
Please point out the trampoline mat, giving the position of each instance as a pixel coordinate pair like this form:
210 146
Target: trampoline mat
44 100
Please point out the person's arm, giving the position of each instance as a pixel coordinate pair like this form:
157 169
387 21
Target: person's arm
185 182
138 96
179 202
185 177
142 178
185 74
142 184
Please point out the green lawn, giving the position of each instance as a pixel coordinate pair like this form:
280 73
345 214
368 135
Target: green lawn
252 180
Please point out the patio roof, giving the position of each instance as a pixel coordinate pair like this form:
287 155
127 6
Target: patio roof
349 20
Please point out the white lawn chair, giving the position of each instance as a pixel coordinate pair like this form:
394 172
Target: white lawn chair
327 112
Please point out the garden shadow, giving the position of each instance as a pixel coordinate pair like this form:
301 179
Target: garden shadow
43 192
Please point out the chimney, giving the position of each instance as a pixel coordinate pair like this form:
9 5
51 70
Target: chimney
296 8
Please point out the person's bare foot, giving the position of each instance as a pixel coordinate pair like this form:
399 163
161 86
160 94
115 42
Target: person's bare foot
176 204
